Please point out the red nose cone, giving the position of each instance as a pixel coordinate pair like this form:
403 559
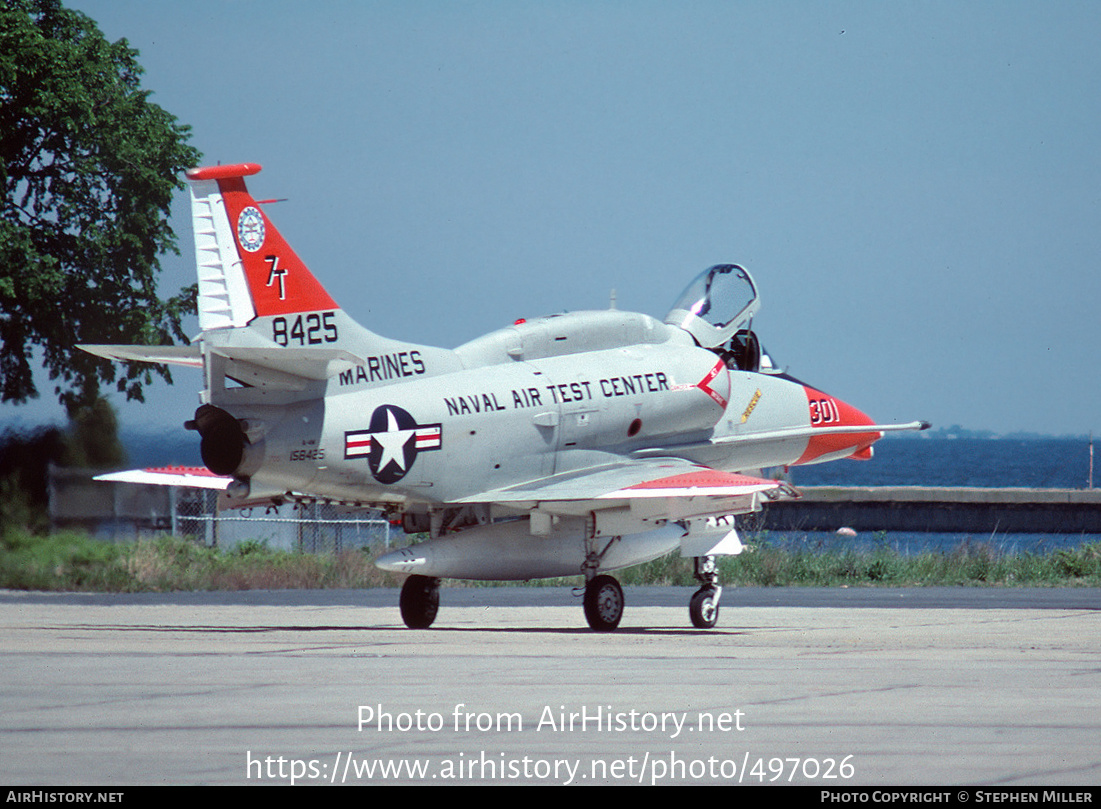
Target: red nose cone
829 412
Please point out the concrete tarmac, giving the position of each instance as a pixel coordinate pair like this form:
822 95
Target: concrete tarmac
831 688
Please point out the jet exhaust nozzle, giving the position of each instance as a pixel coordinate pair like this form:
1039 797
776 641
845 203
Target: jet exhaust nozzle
225 444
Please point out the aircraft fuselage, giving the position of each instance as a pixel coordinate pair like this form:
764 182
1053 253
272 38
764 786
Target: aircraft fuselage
390 429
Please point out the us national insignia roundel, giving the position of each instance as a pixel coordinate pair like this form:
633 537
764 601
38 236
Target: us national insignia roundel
392 442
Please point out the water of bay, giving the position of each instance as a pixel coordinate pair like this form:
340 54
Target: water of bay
1059 463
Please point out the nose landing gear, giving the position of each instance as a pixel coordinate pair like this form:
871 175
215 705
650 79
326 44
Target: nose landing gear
703 609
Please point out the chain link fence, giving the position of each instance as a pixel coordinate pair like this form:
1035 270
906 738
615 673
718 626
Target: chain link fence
312 528
116 511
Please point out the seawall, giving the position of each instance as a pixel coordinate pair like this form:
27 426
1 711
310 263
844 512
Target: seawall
938 509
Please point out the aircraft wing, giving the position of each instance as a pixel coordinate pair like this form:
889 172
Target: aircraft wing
670 488
198 477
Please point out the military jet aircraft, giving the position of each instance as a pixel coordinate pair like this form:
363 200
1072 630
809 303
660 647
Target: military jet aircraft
571 444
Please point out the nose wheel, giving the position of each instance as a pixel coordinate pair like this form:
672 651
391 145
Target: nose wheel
603 603
703 608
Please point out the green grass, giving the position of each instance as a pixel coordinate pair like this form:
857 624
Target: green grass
71 561
969 563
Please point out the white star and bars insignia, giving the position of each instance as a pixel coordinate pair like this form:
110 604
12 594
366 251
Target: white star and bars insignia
357 444
392 442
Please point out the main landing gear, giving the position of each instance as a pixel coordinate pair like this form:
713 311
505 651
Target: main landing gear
420 601
603 603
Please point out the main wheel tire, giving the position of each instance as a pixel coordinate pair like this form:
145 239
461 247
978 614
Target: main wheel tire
603 603
420 601
704 608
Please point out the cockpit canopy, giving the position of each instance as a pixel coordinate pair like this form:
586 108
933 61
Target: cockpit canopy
719 301
717 309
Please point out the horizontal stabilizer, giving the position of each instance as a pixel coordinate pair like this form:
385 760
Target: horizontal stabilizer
169 355
308 363
266 366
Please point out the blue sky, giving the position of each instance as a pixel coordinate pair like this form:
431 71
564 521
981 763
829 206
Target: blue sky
916 186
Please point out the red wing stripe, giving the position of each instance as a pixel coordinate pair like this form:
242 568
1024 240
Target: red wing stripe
182 470
705 478
706 482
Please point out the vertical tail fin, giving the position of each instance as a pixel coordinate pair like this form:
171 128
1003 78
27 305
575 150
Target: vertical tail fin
251 280
246 268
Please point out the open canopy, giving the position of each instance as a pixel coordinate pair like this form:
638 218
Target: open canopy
719 301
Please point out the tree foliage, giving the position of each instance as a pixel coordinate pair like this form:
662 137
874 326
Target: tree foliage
24 460
89 167
91 441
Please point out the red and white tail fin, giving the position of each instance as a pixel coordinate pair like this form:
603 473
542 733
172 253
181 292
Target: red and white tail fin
246 268
295 335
